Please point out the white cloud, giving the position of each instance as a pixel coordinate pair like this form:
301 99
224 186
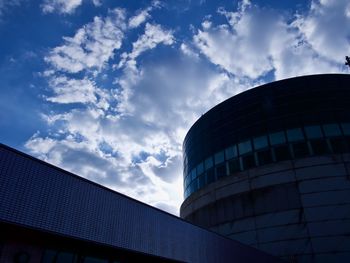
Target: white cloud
91 46
95 139
188 51
40 146
138 153
206 24
97 2
72 90
138 19
257 41
82 149
326 27
7 4
62 6
143 15
242 47
129 137
154 34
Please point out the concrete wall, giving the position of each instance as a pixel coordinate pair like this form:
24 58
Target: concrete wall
298 209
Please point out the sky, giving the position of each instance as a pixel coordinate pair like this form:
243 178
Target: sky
107 89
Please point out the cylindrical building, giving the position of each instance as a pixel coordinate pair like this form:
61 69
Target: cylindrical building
270 168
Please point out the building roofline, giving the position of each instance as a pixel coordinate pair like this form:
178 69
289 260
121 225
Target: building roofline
243 93
25 155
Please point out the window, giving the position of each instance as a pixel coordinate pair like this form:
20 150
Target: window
185 164
248 161
200 168
94 260
221 170
219 157
187 181
49 256
231 152
313 132
215 166
208 163
346 128
339 145
260 142
186 195
264 157
210 176
294 135
193 174
282 153
300 150
65 257
201 180
245 147
185 171
331 129
233 166
319 147
277 138
194 186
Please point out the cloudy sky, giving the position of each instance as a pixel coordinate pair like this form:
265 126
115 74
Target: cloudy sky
108 88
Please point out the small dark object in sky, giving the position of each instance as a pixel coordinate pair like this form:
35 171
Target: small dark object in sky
347 63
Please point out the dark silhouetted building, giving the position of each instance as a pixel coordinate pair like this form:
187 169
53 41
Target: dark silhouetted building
270 168
50 215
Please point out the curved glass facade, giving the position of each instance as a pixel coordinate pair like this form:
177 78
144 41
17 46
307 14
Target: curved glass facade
287 144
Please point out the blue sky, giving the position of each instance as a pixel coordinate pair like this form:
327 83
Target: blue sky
108 89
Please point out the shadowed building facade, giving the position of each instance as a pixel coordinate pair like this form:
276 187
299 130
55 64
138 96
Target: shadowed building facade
49 215
270 168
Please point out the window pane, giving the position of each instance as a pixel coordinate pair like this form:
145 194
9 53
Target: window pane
319 147
219 157
201 181
200 168
208 163
339 145
233 166
264 157
282 153
245 147
300 150
185 171
193 174
260 142
194 186
277 138
294 135
221 170
331 129
313 132
49 256
65 257
187 181
210 175
188 192
231 152
94 260
248 161
346 128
